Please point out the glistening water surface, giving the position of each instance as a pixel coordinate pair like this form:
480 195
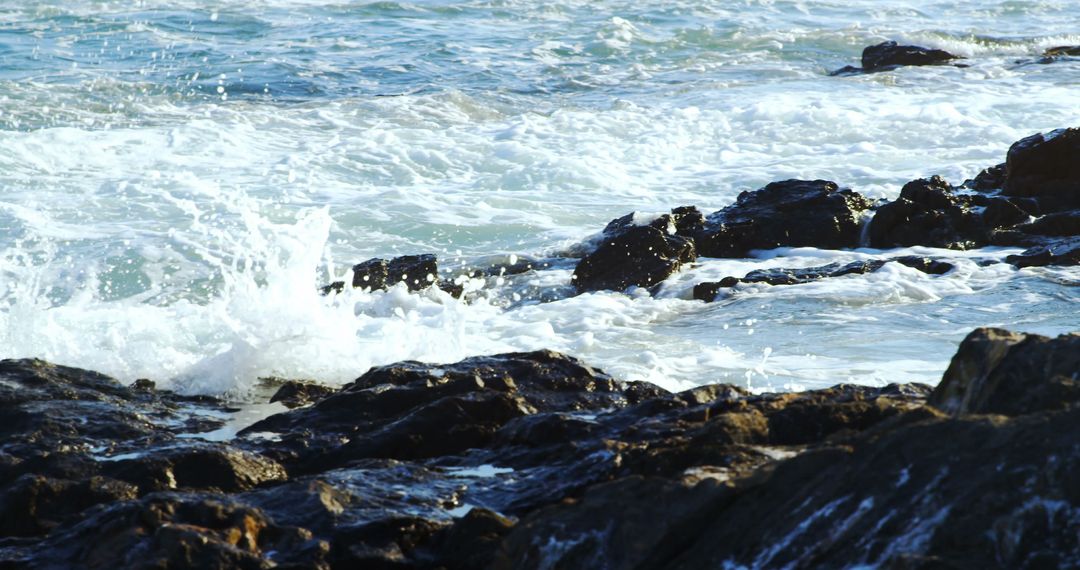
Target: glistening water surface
178 178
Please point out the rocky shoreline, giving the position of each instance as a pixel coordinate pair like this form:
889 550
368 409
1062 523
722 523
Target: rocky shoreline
536 460
1030 201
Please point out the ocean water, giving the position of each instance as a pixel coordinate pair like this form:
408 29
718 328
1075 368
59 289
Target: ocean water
178 178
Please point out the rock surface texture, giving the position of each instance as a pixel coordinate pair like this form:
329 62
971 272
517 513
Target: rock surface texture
535 460
790 213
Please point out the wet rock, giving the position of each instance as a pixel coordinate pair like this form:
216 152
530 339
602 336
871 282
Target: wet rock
791 213
996 371
470 542
592 533
197 466
890 55
1059 53
170 530
294 393
987 180
454 289
632 254
1047 167
1063 50
917 489
34 504
413 410
1065 251
416 271
928 213
45 409
707 291
387 543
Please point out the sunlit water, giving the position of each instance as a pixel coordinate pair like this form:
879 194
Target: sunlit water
177 178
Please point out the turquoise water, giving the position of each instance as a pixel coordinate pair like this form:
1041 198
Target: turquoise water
176 178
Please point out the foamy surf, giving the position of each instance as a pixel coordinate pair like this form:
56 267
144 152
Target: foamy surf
175 188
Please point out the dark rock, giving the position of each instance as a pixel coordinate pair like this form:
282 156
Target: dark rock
34 505
630 254
414 410
1065 251
144 385
792 213
1046 166
928 213
387 543
416 271
1002 213
707 291
915 489
996 371
597 472
197 466
1057 224
1063 51
294 394
372 274
988 180
640 534
470 542
890 55
1059 53
171 530
846 71
454 289
45 409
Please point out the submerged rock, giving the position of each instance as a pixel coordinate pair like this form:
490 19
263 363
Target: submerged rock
791 213
629 253
1065 251
1054 54
890 55
707 291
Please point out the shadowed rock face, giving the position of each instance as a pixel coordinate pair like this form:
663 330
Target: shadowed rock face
792 213
996 371
1046 167
630 254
